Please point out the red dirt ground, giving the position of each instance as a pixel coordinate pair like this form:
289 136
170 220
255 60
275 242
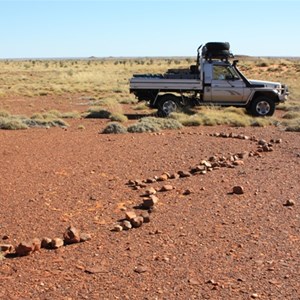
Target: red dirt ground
211 244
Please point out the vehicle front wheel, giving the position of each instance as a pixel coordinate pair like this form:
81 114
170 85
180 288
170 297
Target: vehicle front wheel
167 104
262 106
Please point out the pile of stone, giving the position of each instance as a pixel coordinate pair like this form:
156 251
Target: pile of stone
132 220
70 236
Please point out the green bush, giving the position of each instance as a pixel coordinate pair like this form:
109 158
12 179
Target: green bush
115 128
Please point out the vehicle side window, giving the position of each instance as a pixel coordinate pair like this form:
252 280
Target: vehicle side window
224 73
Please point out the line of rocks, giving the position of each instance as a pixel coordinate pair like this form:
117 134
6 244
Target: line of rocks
213 162
134 220
70 236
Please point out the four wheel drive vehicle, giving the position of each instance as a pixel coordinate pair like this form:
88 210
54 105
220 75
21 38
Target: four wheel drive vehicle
213 80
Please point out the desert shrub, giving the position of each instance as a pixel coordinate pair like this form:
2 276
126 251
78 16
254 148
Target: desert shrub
262 64
127 101
291 115
37 116
293 126
169 123
12 123
71 115
115 128
236 110
143 127
192 121
4 113
98 114
141 106
117 117
55 122
289 106
152 124
210 116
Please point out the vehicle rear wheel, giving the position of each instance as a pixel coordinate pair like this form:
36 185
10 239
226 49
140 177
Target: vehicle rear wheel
167 104
262 106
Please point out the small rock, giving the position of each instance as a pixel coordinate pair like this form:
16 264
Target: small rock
95 270
166 188
71 235
254 296
205 163
266 148
163 177
130 182
184 174
198 169
167 174
193 281
129 215
174 176
150 201
37 244
262 142
117 228
140 269
140 183
57 243
150 191
136 188
84 237
137 222
46 243
238 163
186 192
213 159
126 225
238 190
242 155
150 180
5 237
146 217
289 202
24 248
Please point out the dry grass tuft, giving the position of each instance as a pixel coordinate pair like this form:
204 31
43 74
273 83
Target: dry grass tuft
114 128
118 117
152 124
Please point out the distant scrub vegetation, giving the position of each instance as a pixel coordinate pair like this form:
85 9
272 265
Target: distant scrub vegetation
104 82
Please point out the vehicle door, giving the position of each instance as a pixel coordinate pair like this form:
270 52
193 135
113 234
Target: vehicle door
226 85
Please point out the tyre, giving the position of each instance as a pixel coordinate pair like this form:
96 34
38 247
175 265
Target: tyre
262 106
217 46
167 104
216 54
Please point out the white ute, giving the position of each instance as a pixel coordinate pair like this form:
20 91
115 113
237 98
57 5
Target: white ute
213 80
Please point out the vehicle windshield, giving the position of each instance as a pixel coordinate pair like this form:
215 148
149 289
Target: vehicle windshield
221 72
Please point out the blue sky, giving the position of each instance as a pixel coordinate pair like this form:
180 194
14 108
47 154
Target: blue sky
37 29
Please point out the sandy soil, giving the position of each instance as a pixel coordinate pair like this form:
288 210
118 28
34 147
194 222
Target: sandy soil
209 244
